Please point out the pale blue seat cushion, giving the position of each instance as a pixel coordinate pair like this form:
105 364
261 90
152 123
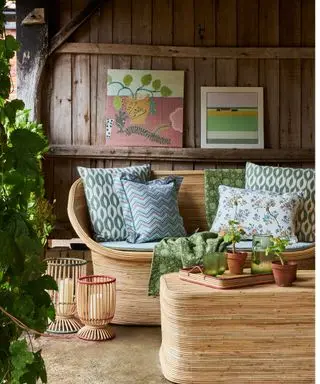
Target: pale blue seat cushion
247 246
132 247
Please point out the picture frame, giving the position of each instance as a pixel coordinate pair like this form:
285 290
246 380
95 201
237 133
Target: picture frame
232 117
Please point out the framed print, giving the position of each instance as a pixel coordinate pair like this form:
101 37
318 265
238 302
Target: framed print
144 108
232 117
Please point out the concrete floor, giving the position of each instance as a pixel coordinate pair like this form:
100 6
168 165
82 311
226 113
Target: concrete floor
130 358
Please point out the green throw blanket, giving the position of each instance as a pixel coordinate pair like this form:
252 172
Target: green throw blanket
172 254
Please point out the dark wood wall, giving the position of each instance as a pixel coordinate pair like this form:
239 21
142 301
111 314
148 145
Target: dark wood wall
74 93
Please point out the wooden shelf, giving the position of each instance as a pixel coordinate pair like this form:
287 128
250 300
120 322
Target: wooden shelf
294 155
192 52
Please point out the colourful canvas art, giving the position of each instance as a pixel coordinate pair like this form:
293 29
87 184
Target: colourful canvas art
144 108
232 117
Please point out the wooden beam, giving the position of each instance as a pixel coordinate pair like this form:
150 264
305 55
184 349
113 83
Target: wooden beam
59 38
194 52
184 154
31 55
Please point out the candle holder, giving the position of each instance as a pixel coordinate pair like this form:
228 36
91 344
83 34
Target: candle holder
66 272
96 301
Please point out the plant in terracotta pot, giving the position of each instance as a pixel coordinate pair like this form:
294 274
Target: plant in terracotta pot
284 272
235 259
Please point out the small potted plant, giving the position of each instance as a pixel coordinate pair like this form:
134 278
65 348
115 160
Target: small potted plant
284 272
235 259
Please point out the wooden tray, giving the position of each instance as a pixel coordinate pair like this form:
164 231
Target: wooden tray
225 281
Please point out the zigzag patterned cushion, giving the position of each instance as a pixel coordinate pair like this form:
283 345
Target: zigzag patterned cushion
284 180
150 209
103 203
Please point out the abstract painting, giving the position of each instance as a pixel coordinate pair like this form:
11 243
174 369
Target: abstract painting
144 108
232 117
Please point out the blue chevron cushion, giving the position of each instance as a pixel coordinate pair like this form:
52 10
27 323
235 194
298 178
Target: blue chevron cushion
150 209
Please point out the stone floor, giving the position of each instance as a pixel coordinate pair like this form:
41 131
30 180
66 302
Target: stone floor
132 357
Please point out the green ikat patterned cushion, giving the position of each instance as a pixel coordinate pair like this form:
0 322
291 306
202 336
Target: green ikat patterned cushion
285 180
104 207
212 179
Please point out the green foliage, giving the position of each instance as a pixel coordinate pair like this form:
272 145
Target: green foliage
156 84
109 79
278 245
165 91
25 221
233 234
127 80
146 79
117 103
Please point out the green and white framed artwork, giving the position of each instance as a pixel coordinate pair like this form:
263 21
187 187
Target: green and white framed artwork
232 117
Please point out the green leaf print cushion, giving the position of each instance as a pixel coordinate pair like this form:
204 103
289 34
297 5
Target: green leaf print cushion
212 179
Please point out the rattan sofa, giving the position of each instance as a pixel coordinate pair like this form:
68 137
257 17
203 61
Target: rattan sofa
132 269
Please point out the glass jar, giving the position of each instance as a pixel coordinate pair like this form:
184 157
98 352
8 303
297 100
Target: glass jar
214 263
260 262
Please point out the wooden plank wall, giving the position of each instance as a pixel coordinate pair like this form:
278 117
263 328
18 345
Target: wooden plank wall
75 93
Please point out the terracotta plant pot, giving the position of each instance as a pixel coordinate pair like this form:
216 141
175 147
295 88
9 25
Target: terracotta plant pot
236 262
284 275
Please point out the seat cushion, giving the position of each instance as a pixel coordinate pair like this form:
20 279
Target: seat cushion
292 180
150 208
132 247
247 246
257 211
104 208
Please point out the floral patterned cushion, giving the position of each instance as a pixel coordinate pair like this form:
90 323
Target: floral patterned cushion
258 212
288 180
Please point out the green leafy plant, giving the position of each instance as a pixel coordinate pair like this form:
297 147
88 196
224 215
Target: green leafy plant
277 247
278 244
146 80
233 234
25 220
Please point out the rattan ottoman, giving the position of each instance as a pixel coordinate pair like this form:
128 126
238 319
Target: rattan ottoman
260 334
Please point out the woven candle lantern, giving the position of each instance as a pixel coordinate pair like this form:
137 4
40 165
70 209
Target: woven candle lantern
66 272
96 302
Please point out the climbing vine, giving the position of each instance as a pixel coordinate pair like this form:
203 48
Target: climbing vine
25 221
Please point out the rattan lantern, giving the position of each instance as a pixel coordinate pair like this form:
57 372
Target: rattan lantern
66 272
96 302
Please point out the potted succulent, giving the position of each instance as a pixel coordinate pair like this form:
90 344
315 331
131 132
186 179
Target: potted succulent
235 259
284 272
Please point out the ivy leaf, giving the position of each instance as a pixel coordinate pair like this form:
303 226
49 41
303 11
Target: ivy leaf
117 103
7 250
146 79
25 141
127 80
42 283
11 46
20 358
156 84
5 85
36 370
11 109
165 91
109 79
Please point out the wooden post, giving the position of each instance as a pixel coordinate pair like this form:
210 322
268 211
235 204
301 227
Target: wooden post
31 56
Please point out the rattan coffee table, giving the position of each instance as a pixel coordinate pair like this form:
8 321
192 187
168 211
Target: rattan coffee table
260 334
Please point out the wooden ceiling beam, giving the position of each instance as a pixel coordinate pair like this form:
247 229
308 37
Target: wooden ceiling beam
66 31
